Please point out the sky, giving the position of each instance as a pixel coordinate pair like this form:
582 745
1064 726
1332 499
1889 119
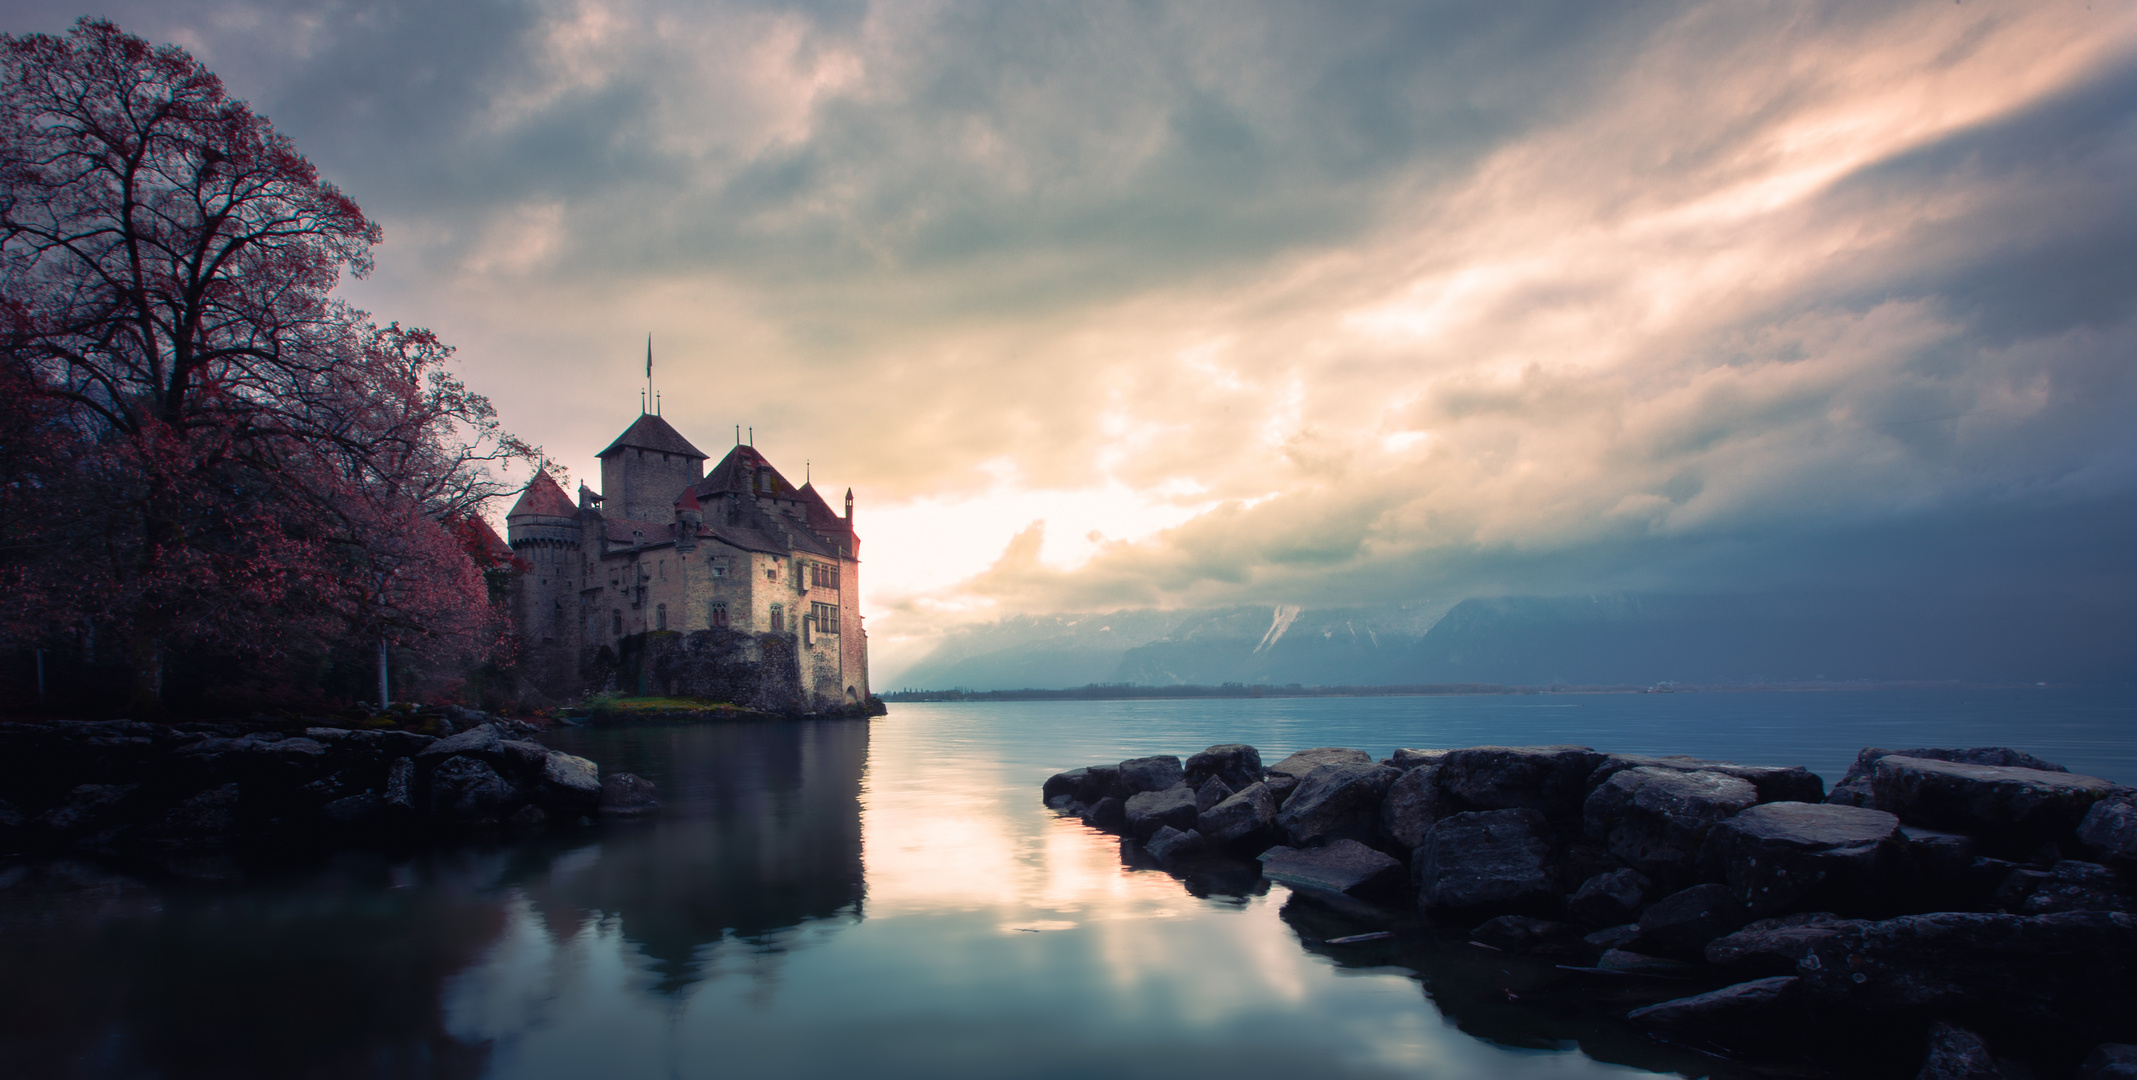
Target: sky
1174 304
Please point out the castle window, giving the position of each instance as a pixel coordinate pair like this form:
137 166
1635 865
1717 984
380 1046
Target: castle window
718 570
771 573
664 569
615 625
779 619
718 613
823 576
825 616
660 616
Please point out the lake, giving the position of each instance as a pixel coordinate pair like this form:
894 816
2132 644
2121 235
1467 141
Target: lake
888 898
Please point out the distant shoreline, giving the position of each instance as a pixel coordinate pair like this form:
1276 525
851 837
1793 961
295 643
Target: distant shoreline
1129 692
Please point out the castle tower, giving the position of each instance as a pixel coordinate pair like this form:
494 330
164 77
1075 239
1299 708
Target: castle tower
544 532
644 468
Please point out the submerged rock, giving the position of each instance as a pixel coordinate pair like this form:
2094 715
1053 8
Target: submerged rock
1171 847
1345 866
628 795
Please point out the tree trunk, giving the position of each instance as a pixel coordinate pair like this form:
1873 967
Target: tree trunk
147 697
384 701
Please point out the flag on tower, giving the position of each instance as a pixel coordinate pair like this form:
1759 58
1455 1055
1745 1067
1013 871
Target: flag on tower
649 356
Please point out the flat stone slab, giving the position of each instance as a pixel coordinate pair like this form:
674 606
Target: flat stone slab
1777 855
1343 866
1305 761
1774 783
1986 799
1718 1006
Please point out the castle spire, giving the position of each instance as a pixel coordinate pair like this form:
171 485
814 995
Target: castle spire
649 398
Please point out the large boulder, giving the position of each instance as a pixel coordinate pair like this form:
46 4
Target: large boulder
1771 944
1154 773
1298 765
1336 801
1775 856
1682 923
1210 792
1656 819
2073 885
1552 780
1958 1054
1172 847
1412 805
1244 820
2110 1061
2110 828
1345 866
2017 808
1610 898
1147 810
1406 759
628 795
1237 764
481 741
1067 782
1741 1003
1099 782
467 789
569 784
1854 788
86 808
2078 967
1774 783
1499 858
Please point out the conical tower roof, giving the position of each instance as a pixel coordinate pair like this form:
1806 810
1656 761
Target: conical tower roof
542 498
650 432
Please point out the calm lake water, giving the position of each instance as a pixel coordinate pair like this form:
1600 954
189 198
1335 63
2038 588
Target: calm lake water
889 899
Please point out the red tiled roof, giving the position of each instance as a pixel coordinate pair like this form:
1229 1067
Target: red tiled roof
542 498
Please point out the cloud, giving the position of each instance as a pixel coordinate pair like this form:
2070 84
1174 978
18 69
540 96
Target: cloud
1385 303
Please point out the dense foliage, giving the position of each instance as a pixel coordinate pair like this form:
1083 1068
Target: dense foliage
206 453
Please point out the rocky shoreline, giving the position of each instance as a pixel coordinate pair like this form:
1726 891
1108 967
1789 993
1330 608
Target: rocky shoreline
130 786
1976 901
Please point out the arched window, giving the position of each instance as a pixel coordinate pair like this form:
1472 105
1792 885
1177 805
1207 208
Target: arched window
660 616
718 615
779 619
615 624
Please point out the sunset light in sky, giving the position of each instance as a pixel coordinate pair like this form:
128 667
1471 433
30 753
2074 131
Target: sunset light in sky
1106 305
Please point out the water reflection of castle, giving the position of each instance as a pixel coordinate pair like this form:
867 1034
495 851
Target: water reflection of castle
762 833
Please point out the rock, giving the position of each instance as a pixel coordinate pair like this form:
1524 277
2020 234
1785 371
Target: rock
529 816
1614 937
569 785
1338 800
1780 855
1280 787
2111 1061
1345 866
1656 819
87 807
1494 857
1174 806
1958 1054
1213 791
1109 813
1610 898
1066 804
2017 888
1412 805
1237 764
1718 1008
627 795
2110 828
1245 819
209 815
466 789
400 785
1138 775
357 809
1170 846
1683 922
1514 933
1410 759
1937 854
479 741
2014 807
2080 886
1772 944
1854 788
1552 780
1100 781
1632 963
1774 783
2077 967
1298 765
1063 784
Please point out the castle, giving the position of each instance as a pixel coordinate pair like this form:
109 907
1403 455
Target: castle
669 551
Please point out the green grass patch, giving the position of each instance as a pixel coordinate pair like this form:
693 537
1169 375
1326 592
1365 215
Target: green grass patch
617 709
